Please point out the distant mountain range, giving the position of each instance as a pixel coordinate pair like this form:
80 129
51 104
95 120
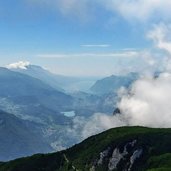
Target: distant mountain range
40 99
22 84
19 138
60 82
118 149
26 97
30 100
113 83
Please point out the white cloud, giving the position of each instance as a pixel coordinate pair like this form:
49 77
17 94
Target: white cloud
148 102
161 37
75 55
98 122
96 45
140 10
19 65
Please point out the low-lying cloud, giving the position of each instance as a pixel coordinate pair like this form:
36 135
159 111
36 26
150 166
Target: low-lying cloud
85 127
146 103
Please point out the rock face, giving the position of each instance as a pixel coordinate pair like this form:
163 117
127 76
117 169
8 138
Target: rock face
103 154
136 155
123 157
115 159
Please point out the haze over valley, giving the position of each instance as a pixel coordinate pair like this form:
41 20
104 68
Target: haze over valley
85 85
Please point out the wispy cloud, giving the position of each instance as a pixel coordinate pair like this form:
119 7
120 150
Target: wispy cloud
96 45
141 10
130 49
160 35
76 55
72 8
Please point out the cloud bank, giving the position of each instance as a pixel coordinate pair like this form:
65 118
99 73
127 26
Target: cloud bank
146 103
85 127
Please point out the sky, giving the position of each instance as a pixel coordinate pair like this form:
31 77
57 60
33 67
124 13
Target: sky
85 37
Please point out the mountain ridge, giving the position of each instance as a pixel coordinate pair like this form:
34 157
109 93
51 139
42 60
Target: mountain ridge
60 82
123 148
19 138
113 83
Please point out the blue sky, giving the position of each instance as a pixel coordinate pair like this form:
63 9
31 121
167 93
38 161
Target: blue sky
80 37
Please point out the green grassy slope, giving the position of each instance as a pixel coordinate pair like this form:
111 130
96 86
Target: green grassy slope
154 143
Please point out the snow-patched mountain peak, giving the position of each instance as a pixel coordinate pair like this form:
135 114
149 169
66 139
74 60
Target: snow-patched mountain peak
19 65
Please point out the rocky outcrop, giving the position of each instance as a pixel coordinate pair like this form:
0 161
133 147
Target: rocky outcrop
122 157
137 154
115 159
103 154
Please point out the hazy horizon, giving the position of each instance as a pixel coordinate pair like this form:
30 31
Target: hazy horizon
85 38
